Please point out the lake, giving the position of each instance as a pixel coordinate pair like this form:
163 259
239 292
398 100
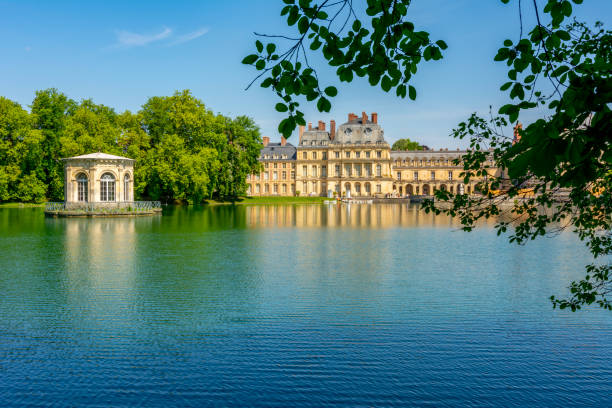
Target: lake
291 305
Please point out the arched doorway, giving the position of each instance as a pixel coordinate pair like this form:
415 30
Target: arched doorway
368 189
409 190
426 189
357 189
347 189
82 187
107 187
443 187
401 191
460 189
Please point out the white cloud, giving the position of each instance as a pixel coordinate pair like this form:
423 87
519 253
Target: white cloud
190 36
129 39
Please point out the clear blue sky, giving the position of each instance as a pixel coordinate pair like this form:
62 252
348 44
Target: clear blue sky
119 53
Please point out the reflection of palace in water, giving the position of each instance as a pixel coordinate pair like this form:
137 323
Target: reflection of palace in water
343 215
354 161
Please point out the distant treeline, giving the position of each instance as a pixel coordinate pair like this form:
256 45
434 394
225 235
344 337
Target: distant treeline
183 151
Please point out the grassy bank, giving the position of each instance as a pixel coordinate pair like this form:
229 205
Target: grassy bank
271 200
21 205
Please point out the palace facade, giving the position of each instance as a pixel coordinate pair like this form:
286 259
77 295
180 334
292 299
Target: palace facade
353 160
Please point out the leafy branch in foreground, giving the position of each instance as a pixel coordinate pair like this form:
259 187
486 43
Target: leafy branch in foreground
556 174
387 52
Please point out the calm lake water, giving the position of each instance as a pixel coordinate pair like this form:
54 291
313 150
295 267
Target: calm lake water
309 305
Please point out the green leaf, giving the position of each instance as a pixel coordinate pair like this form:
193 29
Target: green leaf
259 46
331 91
270 48
303 25
281 107
412 93
323 104
249 59
385 84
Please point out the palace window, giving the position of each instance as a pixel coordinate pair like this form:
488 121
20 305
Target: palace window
249 189
367 188
304 171
378 188
378 154
314 155
292 175
305 187
257 188
107 187
347 155
266 165
284 175
347 170
416 175
275 165
314 171
293 189
450 175
276 189
358 170
304 155
284 189
399 175
267 188
357 154
266 176
324 171
324 155
337 155
284 165
248 177
432 175
378 170
82 187
337 170
368 170
367 154
275 175
314 186
126 187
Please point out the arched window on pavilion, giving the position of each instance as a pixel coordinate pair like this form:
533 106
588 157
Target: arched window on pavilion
82 187
107 187
126 187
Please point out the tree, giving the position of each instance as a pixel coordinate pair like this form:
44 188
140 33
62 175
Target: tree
563 67
406 144
184 151
50 109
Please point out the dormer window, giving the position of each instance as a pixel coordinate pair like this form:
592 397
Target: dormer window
348 131
368 131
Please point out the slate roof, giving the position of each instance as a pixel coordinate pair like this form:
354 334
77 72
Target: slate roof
276 152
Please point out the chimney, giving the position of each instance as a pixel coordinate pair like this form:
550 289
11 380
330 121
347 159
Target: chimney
375 117
283 141
309 125
332 129
517 134
302 132
351 116
364 118
321 125
266 140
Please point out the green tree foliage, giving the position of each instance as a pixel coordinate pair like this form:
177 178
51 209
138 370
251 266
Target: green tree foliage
560 67
406 144
387 49
183 150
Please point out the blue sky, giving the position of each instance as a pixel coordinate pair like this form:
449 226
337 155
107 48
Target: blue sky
119 53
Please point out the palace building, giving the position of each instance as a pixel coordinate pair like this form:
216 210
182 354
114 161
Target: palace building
353 160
